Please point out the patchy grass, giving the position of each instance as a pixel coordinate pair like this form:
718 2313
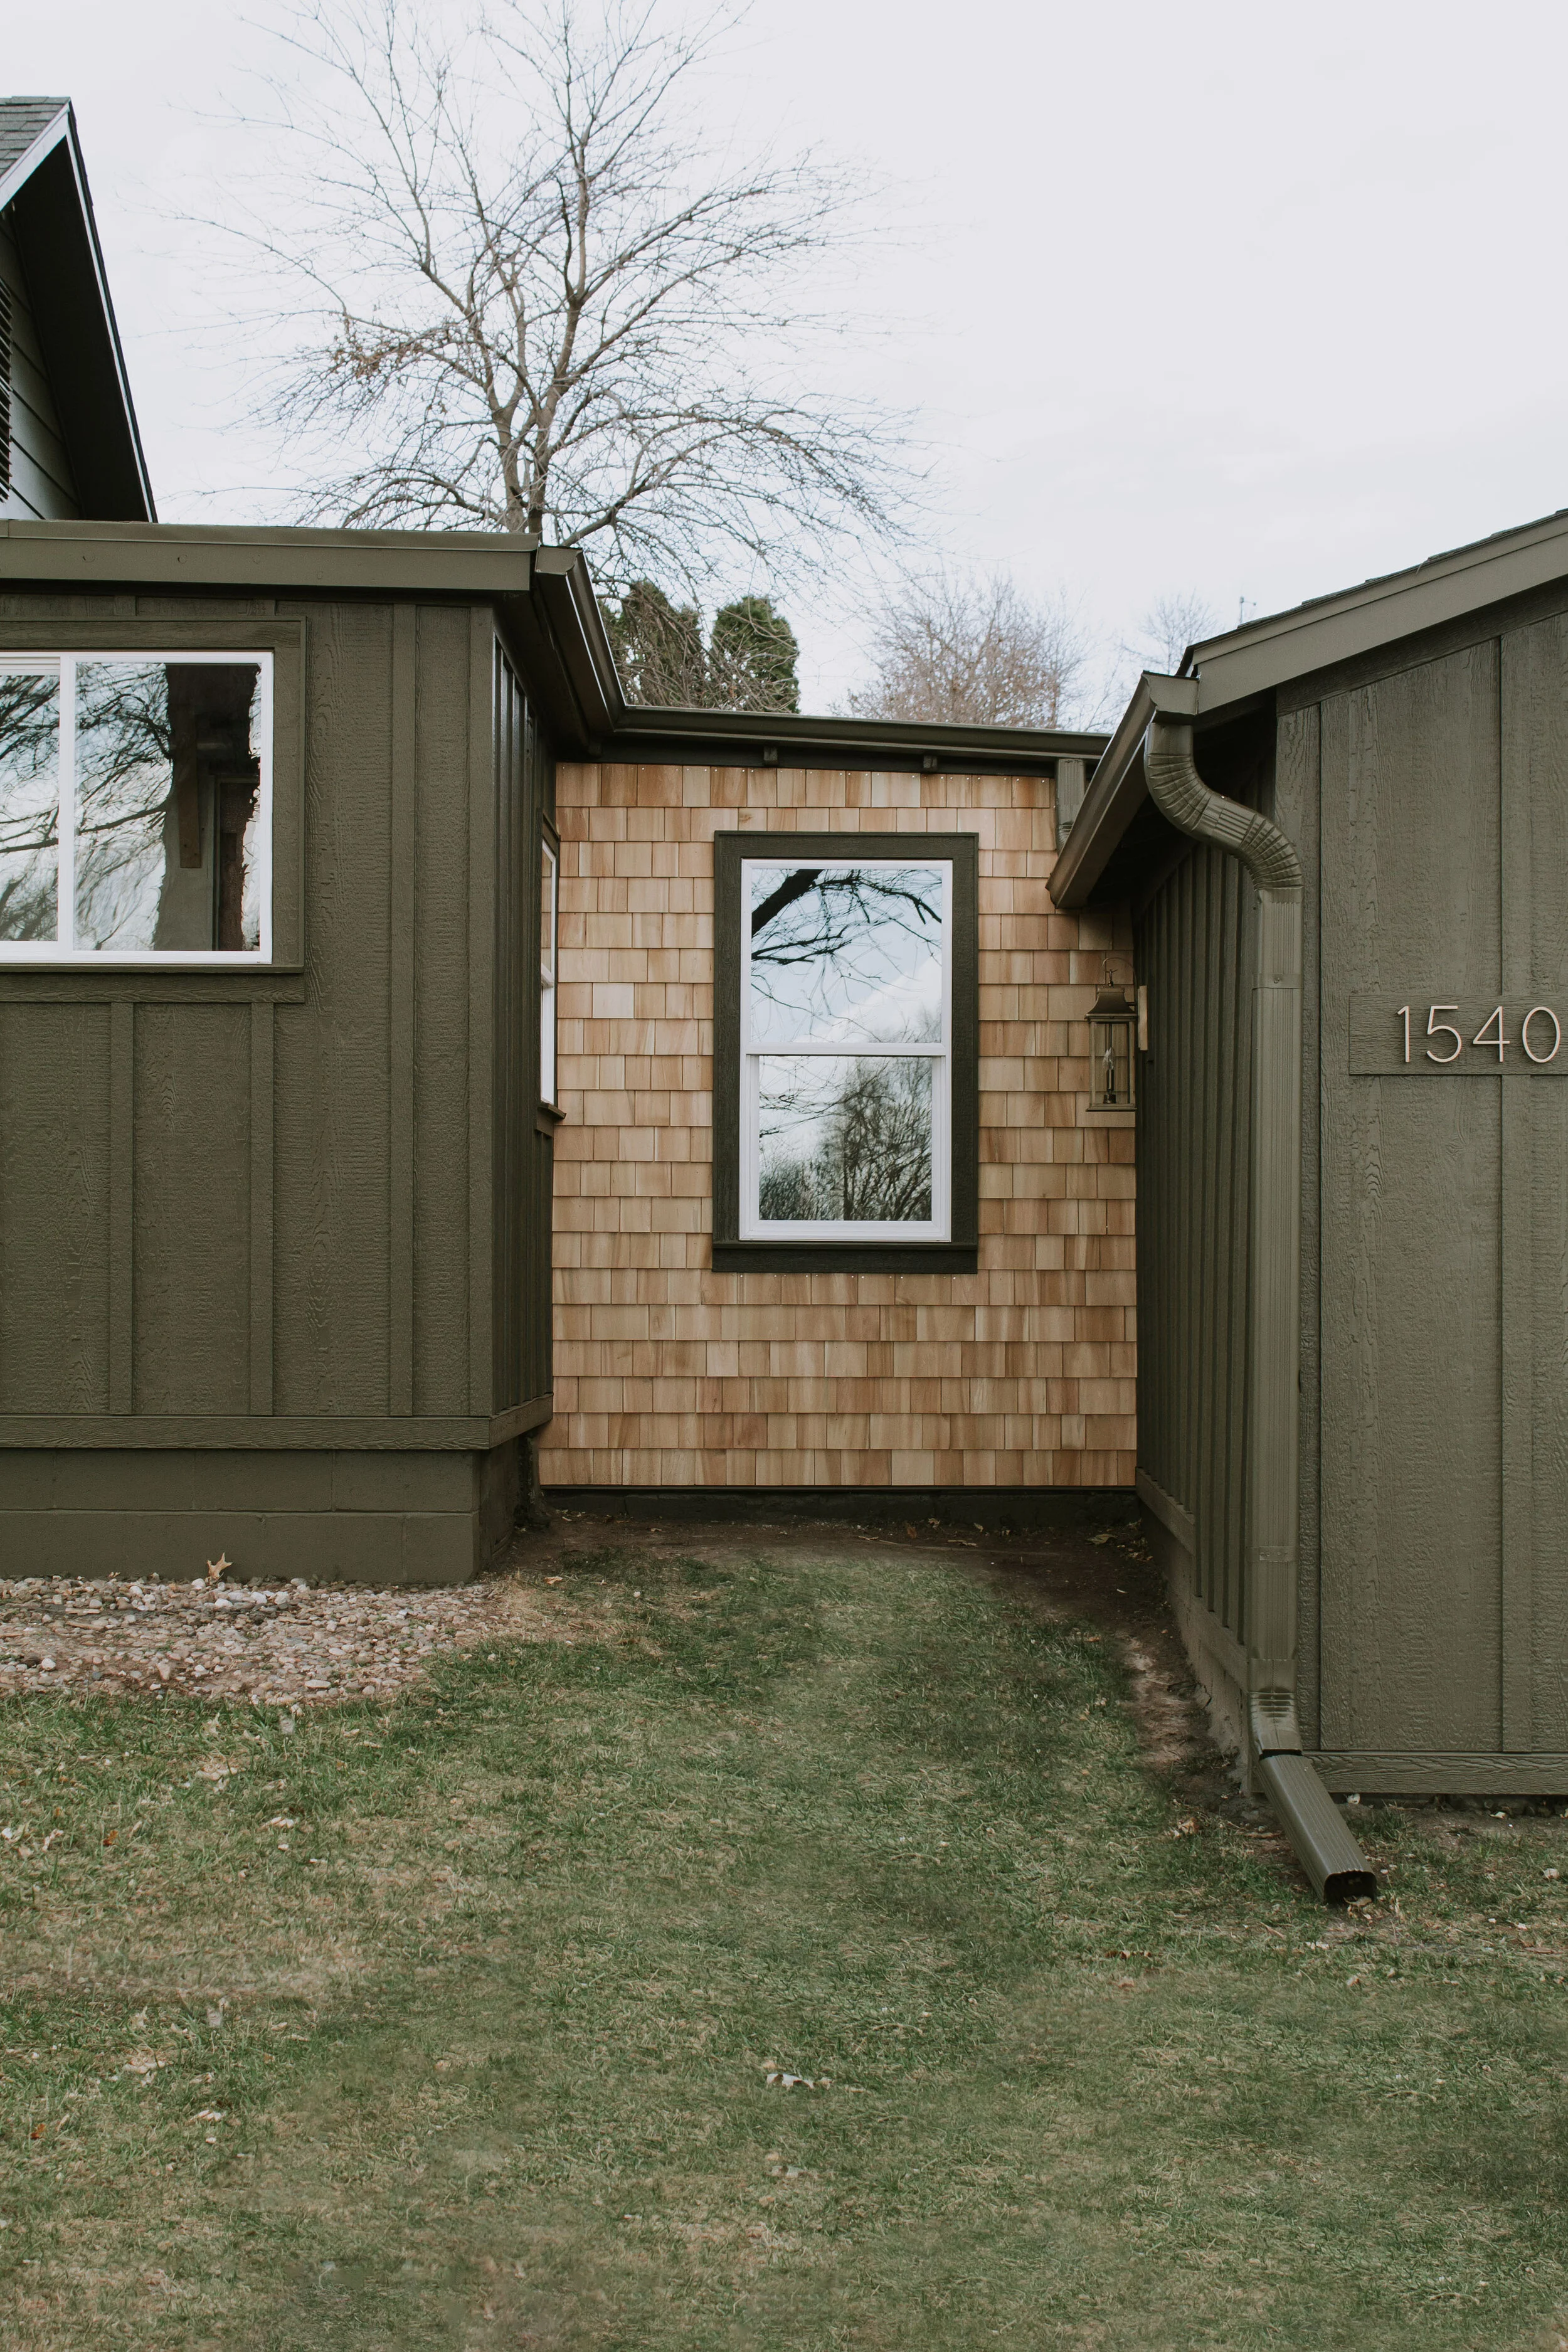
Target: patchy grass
451 2024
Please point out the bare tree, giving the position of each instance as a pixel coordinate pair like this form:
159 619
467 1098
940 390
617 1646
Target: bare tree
535 298
850 1139
1172 623
977 651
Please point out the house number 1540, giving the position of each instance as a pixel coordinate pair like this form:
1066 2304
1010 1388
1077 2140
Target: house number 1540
1490 1037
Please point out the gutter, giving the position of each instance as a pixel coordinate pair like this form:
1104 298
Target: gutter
1325 1848
1118 788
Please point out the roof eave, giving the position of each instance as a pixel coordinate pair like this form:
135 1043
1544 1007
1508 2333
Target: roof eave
1118 788
111 324
553 620
18 175
606 727
1222 674
74 317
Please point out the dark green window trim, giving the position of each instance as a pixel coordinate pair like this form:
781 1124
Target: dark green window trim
959 1254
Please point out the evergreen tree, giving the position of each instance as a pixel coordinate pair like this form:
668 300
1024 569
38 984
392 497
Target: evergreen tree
657 648
748 664
753 658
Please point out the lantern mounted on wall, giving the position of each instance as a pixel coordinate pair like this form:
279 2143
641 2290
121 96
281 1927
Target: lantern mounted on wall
1111 1019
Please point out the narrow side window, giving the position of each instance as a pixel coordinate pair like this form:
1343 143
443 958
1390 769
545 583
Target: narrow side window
549 912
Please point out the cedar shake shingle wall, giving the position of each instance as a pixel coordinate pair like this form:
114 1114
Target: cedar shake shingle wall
669 1374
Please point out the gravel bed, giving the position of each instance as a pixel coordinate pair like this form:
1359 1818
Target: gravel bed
282 1646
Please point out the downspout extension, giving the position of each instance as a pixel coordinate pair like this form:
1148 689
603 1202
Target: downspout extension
1329 1855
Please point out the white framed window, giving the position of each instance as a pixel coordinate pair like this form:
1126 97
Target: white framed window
136 805
549 926
846 1049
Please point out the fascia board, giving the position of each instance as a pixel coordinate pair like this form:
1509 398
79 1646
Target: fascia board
866 740
23 169
99 554
1333 629
582 645
111 326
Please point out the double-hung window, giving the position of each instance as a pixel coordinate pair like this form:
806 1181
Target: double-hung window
136 807
845 1050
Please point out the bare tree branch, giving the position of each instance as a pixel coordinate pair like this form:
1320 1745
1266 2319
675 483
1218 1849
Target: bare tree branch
530 298
946 649
1173 622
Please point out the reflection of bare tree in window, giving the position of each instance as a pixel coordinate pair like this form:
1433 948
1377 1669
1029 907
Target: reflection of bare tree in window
845 1141
124 768
29 805
167 790
826 940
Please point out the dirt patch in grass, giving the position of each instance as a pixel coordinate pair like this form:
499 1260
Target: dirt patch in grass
293 1646
467 2018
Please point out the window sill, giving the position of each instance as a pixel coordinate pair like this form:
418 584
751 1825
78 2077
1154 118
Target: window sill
547 1119
846 1257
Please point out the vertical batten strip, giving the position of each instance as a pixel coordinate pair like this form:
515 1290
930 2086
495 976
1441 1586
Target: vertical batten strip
263 1097
1517 979
121 1204
484 683
400 1022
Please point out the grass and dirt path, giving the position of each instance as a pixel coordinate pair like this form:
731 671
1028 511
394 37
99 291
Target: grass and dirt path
466 2021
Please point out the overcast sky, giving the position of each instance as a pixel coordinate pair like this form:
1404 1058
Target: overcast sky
1242 301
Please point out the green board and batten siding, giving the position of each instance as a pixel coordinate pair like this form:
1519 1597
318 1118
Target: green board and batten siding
1427 793
1194 942
1442 1469
274 1245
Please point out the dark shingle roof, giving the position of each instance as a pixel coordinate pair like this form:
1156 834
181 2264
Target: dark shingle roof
22 120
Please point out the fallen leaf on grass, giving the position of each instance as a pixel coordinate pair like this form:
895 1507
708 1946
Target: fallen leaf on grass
209 2115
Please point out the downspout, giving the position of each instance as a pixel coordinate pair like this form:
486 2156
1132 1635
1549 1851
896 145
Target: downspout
1325 1848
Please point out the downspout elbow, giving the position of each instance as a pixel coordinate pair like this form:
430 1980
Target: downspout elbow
1180 794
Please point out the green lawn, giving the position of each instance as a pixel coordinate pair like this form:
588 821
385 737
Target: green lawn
480 2060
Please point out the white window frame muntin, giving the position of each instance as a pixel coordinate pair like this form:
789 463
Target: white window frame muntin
939 1226
62 951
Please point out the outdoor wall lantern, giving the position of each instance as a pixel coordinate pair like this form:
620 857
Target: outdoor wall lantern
1112 1020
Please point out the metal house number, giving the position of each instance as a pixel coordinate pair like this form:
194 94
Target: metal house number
1469 1036
1490 1037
